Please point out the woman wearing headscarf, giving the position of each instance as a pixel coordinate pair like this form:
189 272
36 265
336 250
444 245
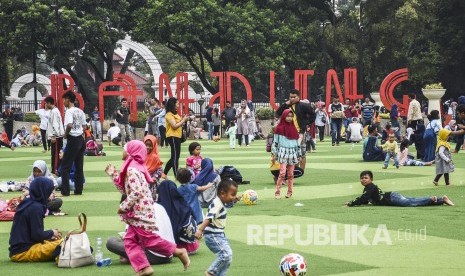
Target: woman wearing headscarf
242 117
39 168
180 214
29 242
137 208
207 175
252 124
153 162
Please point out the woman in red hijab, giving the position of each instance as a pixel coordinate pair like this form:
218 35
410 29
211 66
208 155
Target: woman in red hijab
286 151
153 163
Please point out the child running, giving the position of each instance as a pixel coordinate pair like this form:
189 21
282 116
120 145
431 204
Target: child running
194 161
212 228
444 163
190 192
137 211
372 194
286 150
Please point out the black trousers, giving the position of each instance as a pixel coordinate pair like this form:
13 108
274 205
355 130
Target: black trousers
163 141
175 145
321 132
239 139
216 130
9 129
74 153
55 153
45 142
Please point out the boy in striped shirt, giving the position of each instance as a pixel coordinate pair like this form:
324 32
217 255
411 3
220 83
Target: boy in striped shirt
212 228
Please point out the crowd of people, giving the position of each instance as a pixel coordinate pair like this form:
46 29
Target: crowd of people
164 219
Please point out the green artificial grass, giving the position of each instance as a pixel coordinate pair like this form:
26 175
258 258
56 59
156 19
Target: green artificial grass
330 180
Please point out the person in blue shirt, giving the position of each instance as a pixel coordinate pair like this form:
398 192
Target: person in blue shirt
29 242
190 191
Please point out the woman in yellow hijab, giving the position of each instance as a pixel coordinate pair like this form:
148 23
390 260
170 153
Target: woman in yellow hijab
444 163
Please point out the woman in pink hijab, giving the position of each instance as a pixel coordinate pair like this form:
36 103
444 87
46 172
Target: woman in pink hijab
137 210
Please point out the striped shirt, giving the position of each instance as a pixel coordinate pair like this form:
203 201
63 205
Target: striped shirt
217 216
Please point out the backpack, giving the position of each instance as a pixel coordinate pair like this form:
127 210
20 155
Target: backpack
229 172
92 148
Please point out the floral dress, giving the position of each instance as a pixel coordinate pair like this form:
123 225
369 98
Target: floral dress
138 206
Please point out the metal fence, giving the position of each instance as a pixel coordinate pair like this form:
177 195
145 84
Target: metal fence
28 105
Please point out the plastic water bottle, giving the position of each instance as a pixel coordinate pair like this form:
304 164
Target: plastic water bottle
104 262
98 251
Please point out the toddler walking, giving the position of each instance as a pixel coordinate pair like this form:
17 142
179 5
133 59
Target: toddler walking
137 211
231 132
212 228
286 151
444 163
391 148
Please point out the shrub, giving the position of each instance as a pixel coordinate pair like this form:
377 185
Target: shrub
31 117
141 119
265 113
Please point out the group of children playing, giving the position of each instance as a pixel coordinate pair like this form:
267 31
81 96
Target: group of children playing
22 138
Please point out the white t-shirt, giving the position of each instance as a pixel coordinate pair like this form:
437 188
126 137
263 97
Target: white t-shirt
77 118
113 132
43 115
355 132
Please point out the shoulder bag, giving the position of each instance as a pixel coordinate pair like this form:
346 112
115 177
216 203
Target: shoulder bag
75 248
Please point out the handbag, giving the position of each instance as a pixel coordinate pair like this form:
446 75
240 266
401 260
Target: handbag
75 248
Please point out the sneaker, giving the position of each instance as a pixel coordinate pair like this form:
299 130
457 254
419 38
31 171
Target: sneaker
397 167
333 144
384 167
435 183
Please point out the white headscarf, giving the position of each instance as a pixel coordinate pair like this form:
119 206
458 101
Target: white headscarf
42 166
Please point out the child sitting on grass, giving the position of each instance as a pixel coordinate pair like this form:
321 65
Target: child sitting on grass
194 161
405 159
190 192
212 228
137 211
372 194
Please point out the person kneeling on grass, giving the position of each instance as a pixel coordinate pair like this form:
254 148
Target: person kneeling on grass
28 240
372 194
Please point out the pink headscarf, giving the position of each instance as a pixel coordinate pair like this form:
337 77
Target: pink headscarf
137 153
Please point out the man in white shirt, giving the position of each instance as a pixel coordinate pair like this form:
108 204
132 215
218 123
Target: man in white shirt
113 135
44 114
75 124
55 132
414 115
356 130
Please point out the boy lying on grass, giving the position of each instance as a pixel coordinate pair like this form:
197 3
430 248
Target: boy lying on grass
372 194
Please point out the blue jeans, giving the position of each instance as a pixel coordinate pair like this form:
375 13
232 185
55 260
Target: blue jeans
210 130
336 126
218 244
402 201
388 157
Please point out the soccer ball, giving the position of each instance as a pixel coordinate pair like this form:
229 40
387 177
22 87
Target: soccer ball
216 138
250 197
293 265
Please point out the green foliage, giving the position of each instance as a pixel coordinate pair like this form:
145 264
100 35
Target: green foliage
265 113
434 86
141 120
31 117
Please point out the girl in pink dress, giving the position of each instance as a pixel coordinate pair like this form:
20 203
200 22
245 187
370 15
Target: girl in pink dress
193 162
137 210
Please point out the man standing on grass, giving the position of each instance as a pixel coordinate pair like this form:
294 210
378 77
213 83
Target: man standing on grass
414 116
55 132
122 117
367 112
75 123
304 116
